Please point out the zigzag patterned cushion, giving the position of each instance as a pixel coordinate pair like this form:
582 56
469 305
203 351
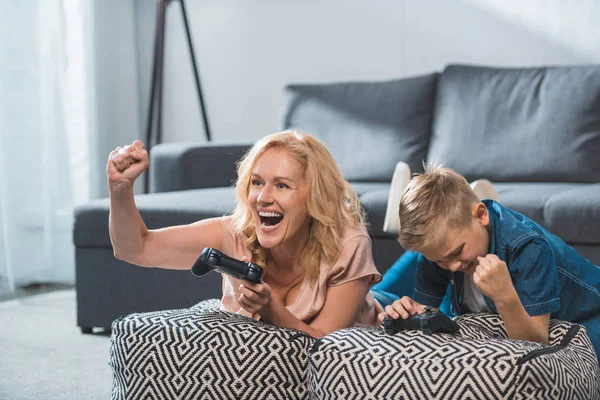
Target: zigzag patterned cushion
479 362
206 353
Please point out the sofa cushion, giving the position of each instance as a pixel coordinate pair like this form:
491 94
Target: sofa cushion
158 210
575 214
367 187
519 125
530 198
375 202
367 126
187 166
568 210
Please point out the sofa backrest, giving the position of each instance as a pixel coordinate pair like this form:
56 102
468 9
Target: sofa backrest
527 124
368 127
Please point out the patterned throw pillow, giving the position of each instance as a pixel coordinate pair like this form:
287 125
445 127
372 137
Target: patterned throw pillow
479 362
206 353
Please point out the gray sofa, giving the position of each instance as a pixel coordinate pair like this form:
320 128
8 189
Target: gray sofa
534 132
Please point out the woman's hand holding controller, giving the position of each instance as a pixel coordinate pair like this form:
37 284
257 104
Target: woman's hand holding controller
254 296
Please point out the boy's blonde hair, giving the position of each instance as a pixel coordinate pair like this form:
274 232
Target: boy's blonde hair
434 201
332 203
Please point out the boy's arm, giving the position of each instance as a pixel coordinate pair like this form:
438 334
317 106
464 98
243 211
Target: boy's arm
403 308
494 280
431 282
518 323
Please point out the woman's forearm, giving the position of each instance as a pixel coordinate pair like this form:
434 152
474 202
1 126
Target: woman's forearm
126 227
276 313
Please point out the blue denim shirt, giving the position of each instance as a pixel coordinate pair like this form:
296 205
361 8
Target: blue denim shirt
548 275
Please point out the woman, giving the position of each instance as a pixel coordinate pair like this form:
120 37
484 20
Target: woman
296 217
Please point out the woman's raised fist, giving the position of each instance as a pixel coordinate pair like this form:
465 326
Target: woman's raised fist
125 164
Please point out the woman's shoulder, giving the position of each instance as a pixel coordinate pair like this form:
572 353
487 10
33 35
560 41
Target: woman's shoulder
227 222
234 242
355 244
355 259
358 232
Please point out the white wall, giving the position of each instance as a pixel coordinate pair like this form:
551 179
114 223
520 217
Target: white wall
249 49
116 97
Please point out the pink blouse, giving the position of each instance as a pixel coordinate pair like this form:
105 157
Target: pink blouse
355 261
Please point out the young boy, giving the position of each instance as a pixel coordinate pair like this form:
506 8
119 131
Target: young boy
495 260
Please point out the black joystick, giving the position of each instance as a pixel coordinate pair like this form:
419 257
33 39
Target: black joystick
429 322
212 259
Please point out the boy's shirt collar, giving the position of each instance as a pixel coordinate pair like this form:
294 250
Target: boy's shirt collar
489 204
494 217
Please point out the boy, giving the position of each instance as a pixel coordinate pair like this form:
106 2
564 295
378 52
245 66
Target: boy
495 259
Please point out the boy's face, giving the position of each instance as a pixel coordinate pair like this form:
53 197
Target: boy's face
457 249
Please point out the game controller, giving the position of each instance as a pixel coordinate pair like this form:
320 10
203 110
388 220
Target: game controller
429 322
214 260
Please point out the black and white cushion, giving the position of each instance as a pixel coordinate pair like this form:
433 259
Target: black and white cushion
479 362
206 353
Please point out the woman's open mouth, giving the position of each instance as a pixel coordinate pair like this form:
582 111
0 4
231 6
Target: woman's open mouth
269 220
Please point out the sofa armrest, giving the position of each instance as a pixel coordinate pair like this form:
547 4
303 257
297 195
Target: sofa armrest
185 166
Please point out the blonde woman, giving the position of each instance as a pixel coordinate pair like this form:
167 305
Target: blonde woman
296 216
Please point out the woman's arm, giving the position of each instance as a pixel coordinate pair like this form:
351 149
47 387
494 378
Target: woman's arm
341 309
175 247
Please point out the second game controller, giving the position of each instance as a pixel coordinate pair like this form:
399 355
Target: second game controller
429 322
214 260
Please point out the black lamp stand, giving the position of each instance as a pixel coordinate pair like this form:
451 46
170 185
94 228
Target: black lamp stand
154 134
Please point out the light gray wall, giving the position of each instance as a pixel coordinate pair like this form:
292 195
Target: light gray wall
248 49
115 92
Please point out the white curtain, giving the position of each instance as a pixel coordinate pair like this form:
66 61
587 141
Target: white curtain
44 138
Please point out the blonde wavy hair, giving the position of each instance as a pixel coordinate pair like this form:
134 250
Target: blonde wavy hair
434 201
331 202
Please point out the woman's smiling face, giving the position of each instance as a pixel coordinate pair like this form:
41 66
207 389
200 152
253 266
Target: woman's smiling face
277 196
